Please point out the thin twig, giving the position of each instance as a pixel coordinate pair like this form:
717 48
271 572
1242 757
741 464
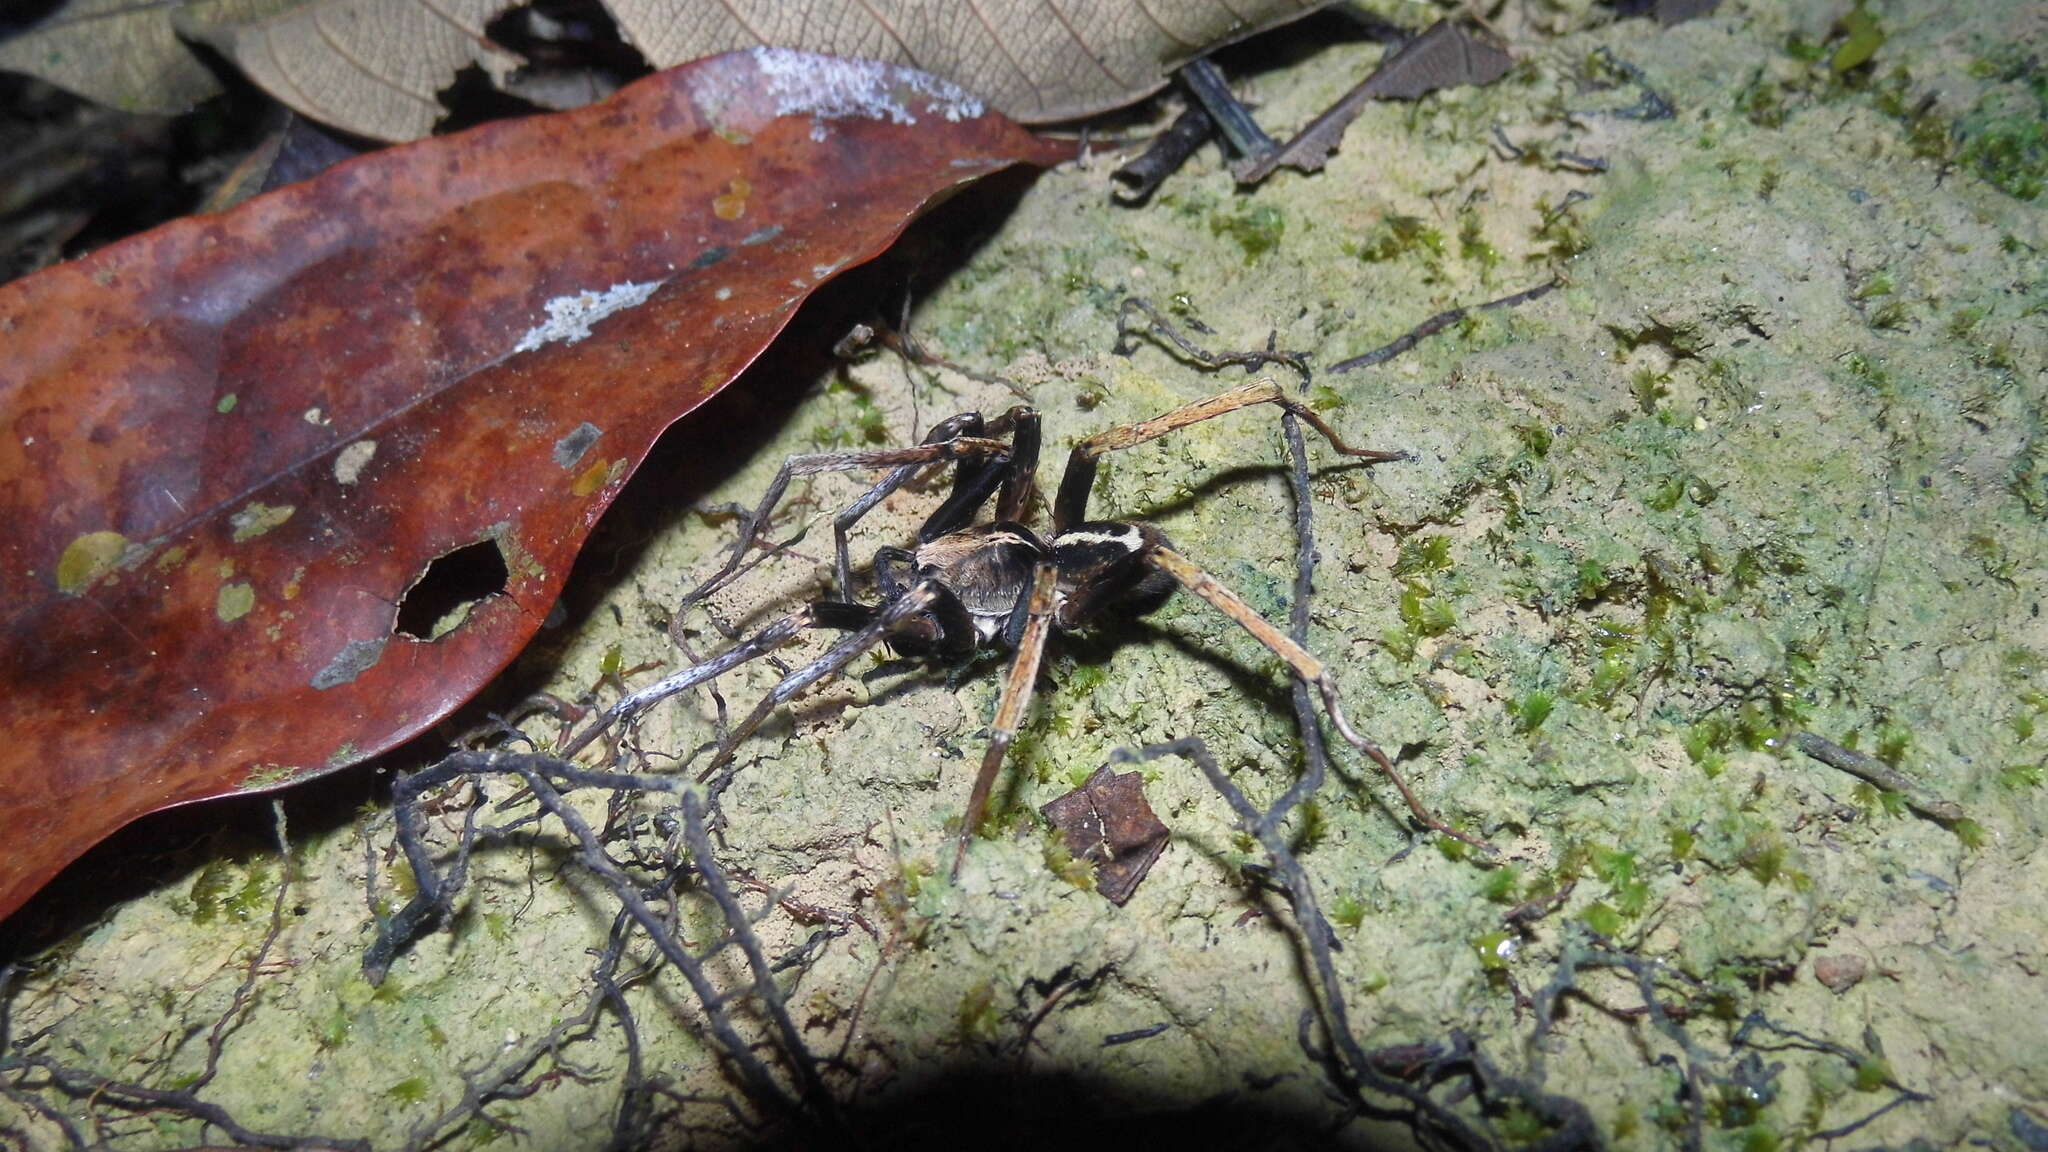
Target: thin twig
1874 771
1438 323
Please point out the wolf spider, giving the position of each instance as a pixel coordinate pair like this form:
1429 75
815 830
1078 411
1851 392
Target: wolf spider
968 586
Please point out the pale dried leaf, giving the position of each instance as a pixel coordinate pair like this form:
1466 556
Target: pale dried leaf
123 53
372 67
1035 60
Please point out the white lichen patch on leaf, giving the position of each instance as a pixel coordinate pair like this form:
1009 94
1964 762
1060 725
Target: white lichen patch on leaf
570 317
830 88
350 461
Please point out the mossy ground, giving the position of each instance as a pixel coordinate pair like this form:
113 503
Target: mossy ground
1771 459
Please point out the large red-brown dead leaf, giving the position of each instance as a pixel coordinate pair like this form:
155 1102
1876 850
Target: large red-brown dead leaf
229 446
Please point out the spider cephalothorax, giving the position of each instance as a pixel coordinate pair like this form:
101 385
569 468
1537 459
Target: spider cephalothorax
969 585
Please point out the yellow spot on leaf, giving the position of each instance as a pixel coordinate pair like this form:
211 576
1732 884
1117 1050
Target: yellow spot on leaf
256 519
88 558
171 558
234 601
291 586
226 404
591 479
733 204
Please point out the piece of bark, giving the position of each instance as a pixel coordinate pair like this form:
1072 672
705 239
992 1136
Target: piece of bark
1107 822
1444 56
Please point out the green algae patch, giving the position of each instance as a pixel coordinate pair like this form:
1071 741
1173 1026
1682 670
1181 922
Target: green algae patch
255 519
88 558
234 601
264 776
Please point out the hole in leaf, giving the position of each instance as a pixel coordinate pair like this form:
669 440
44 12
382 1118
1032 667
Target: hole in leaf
453 584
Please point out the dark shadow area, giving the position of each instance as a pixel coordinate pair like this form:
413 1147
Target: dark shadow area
1004 1110
165 848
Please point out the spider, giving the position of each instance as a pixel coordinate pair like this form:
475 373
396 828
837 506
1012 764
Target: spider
971 585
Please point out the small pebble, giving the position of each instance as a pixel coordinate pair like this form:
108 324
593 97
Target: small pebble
1840 973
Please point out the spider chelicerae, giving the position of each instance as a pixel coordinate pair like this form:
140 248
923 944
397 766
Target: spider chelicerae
970 585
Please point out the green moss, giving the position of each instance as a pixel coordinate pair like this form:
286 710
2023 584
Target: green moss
1500 884
2022 776
1648 386
1472 244
1969 834
1532 709
1425 613
1765 856
1520 1125
1682 842
1759 1138
1873 800
225 891
412 1090
1061 862
1396 236
977 1019
1863 36
1874 284
854 420
1494 950
1563 234
2005 133
1614 867
1872 1074
1423 555
1894 740
1603 918
1762 102
1257 228
1347 913
1315 827
331 1028
1869 371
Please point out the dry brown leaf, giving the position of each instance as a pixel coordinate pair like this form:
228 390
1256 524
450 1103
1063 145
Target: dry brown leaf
1035 60
373 66
124 53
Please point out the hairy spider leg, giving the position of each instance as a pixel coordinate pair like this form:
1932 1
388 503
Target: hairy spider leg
965 424
974 483
946 634
759 644
814 463
918 598
1305 665
1016 699
1070 506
